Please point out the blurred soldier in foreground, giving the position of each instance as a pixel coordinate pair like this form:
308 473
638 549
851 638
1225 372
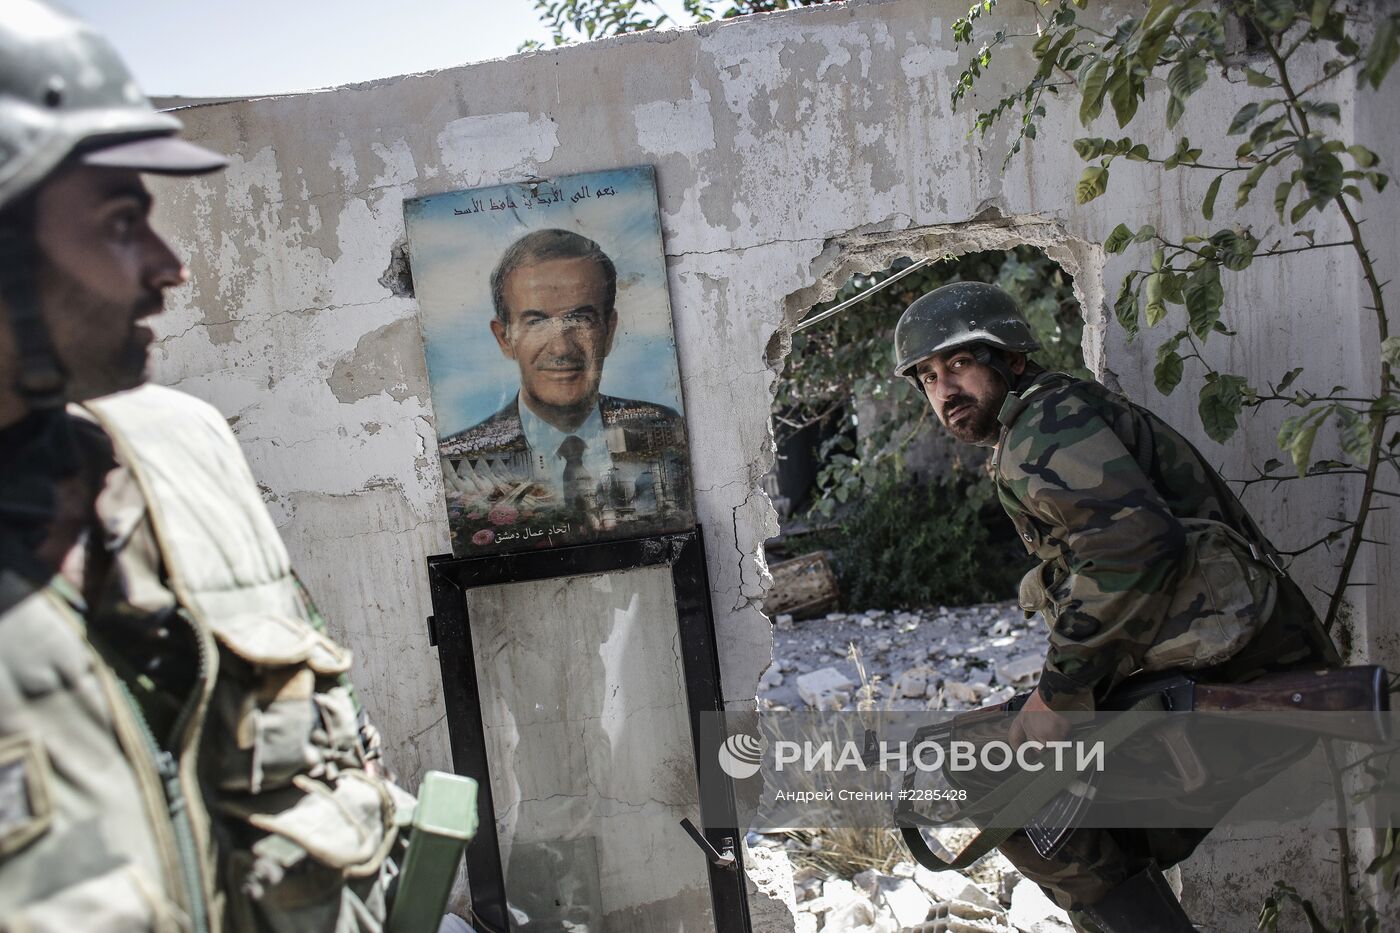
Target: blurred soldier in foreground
1147 562
179 748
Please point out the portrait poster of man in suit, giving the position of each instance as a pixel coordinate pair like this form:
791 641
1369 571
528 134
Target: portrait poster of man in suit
552 361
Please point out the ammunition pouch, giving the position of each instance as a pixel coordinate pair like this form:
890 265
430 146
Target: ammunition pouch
311 831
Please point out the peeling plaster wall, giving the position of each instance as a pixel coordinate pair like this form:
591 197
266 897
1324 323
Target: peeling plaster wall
791 150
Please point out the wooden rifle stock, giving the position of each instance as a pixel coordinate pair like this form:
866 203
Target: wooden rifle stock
1345 702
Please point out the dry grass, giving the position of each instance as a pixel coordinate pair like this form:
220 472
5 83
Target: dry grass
846 852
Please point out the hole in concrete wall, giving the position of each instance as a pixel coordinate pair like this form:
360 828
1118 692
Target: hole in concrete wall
398 278
913 527
864 471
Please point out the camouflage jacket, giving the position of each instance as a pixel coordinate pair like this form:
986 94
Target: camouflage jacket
1147 558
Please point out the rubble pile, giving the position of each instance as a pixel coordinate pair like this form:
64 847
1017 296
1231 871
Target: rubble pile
940 659
936 659
908 898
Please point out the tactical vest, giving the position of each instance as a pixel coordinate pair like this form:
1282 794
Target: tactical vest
257 811
86 841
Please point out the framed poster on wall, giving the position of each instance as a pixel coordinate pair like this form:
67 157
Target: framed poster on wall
552 362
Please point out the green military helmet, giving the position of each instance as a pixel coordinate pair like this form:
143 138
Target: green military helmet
953 316
64 90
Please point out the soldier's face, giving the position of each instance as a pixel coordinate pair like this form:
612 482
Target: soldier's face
559 330
965 394
102 271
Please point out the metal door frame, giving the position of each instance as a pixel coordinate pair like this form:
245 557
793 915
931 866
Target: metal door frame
449 628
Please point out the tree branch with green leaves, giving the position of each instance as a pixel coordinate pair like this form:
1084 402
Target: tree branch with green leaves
1291 138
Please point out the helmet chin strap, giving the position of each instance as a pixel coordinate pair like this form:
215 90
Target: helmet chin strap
995 362
40 379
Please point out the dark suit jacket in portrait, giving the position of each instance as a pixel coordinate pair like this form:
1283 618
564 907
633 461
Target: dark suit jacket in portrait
647 443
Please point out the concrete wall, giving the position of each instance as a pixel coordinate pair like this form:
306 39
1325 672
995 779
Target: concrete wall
791 151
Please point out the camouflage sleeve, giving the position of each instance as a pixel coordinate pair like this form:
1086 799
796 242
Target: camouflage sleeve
1093 504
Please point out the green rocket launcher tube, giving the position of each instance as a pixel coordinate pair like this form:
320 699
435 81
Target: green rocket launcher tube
442 825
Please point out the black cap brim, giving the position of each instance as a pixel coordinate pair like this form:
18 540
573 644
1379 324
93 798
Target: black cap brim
161 155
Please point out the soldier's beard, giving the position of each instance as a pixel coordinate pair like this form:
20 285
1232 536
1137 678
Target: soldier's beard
976 421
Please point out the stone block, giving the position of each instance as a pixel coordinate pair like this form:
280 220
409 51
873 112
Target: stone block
905 900
825 688
1023 671
1032 912
914 682
951 886
969 693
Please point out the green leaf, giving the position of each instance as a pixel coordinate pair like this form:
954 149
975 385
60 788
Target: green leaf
1243 118
1236 252
1168 371
1208 207
1250 181
1296 436
1092 183
1323 109
1156 307
1390 351
1220 401
1123 90
1118 240
1385 47
1281 193
1258 78
1175 110
1091 88
1318 16
1301 208
1204 295
1363 157
1185 78
1145 233
1355 435
1125 308
1138 153
1173 287
1322 174
1275 14
1090 147
1287 379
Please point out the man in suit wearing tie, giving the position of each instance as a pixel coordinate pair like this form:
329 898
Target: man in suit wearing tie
554 294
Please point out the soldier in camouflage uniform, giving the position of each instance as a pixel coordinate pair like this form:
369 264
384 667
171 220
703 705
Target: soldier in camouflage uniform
180 749
1147 561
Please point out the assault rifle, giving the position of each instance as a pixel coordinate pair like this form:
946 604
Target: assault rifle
1348 703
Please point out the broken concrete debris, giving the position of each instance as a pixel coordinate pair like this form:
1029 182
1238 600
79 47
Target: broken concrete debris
825 689
1032 912
905 898
938 658
1024 670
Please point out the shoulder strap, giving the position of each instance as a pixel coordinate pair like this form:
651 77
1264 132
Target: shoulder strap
1015 405
219 545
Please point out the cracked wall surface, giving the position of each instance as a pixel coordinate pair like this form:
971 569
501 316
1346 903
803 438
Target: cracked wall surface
791 150
593 766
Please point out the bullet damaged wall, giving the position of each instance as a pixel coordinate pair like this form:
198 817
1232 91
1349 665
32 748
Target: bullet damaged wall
791 150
